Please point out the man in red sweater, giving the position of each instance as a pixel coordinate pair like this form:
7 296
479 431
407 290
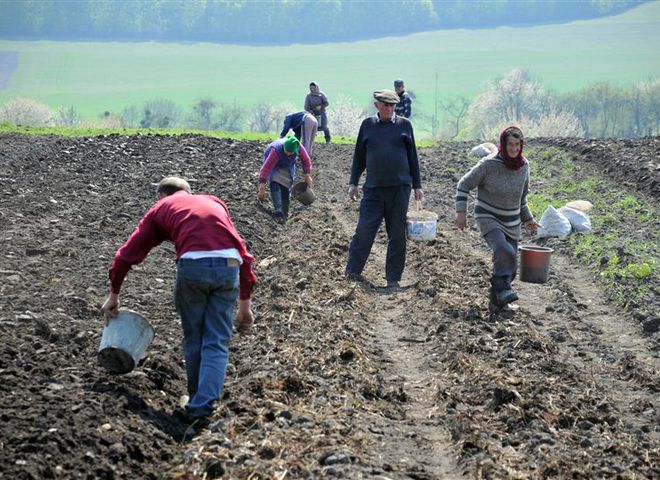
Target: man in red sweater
214 268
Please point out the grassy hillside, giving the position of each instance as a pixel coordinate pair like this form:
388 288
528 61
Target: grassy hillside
95 77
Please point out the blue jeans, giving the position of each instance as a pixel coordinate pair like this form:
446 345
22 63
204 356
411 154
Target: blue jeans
205 294
280 196
391 204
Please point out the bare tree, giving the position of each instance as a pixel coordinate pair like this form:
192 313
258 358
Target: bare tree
230 117
508 101
69 116
262 118
456 110
160 113
130 116
201 116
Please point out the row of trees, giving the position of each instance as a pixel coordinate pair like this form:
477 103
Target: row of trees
278 21
598 110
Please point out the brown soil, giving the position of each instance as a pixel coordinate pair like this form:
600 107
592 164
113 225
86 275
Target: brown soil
336 379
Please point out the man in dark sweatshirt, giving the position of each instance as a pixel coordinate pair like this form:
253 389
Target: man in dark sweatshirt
386 149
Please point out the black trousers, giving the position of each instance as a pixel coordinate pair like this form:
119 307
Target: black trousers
391 204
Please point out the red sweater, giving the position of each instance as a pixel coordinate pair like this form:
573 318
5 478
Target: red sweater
195 223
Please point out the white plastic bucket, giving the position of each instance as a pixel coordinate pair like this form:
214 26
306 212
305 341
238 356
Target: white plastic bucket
125 339
421 225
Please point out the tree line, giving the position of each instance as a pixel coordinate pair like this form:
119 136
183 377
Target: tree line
598 110
278 21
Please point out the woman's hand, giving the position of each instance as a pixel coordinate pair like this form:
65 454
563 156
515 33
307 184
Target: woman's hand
308 180
419 194
461 220
261 193
531 226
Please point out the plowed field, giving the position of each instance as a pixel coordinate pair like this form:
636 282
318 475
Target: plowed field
336 379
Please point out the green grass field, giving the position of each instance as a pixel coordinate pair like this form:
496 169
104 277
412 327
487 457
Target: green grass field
95 77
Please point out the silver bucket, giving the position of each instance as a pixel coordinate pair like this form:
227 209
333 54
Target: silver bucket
125 339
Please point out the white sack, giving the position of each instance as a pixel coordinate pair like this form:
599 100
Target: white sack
582 205
580 221
483 150
554 224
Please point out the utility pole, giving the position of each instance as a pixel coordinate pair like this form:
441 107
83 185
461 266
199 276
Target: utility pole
435 115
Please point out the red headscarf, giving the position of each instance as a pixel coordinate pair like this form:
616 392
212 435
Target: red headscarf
514 163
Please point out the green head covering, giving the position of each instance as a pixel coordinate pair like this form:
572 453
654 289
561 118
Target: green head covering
291 145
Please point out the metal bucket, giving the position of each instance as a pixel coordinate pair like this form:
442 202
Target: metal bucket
303 193
125 339
534 263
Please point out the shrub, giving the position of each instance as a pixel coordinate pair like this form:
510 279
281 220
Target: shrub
25 111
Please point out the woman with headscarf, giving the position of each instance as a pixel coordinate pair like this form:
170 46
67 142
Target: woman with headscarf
502 183
279 171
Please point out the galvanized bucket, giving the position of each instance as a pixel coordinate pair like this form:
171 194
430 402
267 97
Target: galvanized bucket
125 339
303 193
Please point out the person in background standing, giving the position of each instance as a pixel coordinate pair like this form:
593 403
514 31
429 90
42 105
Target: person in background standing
315 103
386 149
404 107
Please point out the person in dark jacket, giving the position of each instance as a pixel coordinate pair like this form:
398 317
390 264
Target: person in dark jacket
386 149
404 107
214 269
304 126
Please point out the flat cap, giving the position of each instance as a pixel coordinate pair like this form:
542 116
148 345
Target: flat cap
386 96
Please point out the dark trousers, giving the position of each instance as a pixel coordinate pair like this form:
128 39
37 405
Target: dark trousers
391 204
280 196
322 119
505 259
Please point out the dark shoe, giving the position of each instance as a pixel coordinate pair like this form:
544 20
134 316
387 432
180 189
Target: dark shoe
392 287
501 290
182 415
279 217
506 296
495 305
355 277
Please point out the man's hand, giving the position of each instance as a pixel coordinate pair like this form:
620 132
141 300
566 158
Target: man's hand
419 195
308 180
261 193
461 220
110 307
353 192
531 226
244 316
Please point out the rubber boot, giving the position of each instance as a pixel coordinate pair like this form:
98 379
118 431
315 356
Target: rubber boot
501 286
